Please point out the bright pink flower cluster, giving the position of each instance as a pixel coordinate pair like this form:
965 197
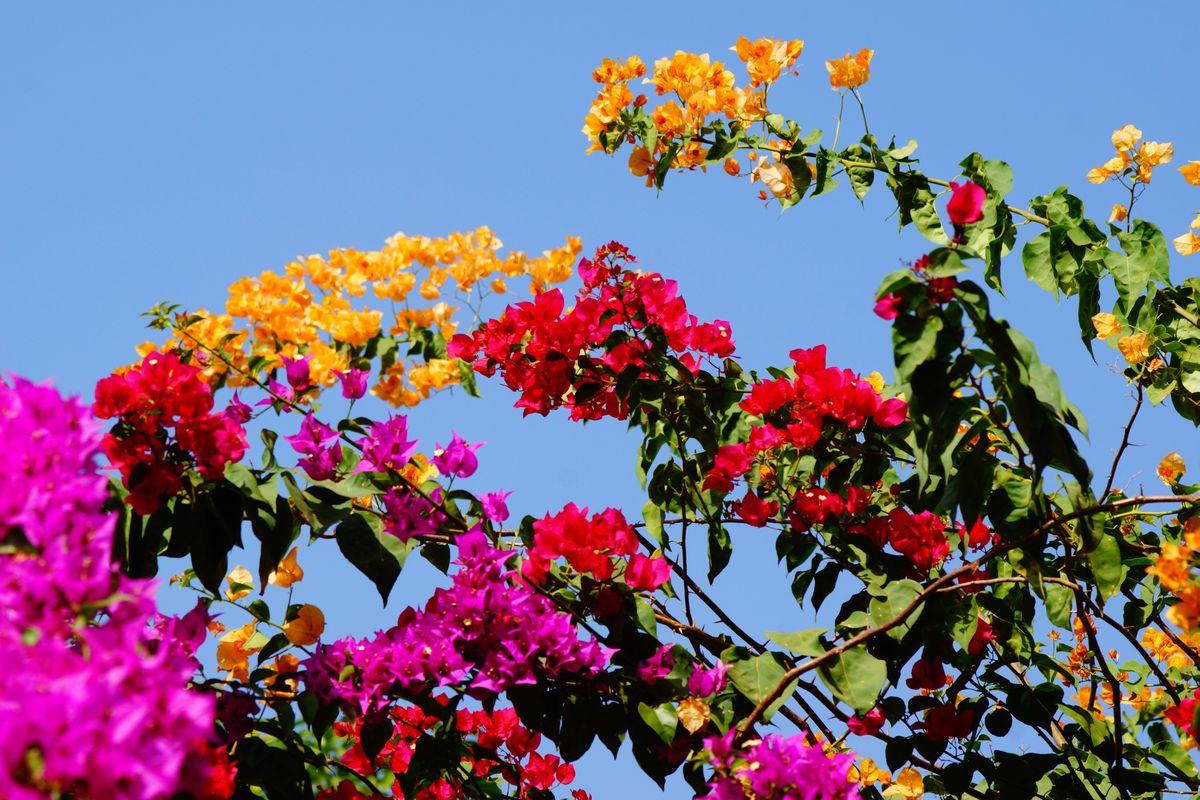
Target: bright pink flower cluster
778 768
164 426
590 546
497 746
84 682
488 632
621 320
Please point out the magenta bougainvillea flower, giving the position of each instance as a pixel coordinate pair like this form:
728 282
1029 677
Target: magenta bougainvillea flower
488 632
105 703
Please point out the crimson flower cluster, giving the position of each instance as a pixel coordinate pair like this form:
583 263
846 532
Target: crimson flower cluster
497 746
164 426
589 547
937 290
796 413
622 320
94 701
489 631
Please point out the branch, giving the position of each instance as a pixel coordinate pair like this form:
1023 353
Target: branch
1112 472
945 579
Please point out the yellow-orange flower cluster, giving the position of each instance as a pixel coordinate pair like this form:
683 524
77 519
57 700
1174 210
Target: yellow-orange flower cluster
850 72
1173 570
1139 163
1164 648
613 98
766 59
307 311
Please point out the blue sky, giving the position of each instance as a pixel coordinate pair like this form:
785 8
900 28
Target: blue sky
161 151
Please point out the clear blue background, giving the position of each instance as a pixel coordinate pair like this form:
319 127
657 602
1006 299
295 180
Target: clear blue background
161 151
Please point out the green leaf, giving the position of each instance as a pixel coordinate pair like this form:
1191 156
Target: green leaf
756 677
376 554
1106 564
1058 605
652 516
662 719
1039 267
803 643
720 548
896 596
855 678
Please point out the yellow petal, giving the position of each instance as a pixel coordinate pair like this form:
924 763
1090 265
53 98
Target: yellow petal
1186 244
640 161
1105 324
777 177
241 583
1125 138
909 784
1119 213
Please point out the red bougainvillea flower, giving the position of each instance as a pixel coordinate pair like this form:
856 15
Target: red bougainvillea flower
165 423
927 673
948 722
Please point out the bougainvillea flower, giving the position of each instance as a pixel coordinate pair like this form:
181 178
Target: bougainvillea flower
850 72
647 573
887 307
495 506
297 372
457 458
966 203
386 447
354 382
307 627
707 682
288 572
867 724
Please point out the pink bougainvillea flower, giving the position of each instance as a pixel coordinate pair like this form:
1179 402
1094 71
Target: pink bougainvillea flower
966 203
887 307
867 724
646 572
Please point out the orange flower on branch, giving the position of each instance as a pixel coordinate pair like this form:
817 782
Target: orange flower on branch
288 572
1191 172
849 72
1135 348
776 176
1171 468
307 627
1106 325
765 59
